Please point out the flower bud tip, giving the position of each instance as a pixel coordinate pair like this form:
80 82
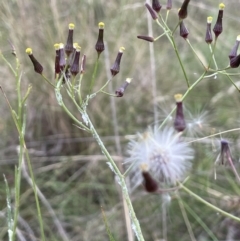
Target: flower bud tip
71 26
209 19
101 25
29 51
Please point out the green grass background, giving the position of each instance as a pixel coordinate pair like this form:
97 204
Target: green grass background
69 167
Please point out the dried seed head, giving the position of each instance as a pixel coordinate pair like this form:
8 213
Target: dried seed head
218 26
179 122
37 66
146 38
208 37
234 50
183 30
120 91
151 11
182 13
156 6
69 44
167 156
116 66
100 44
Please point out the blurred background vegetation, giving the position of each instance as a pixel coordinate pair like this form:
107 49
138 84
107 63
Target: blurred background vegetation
69 167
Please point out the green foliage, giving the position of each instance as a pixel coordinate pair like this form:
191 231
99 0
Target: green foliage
68 165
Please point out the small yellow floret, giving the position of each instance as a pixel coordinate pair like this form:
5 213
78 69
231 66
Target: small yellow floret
61 45
238 38
209 19
29 51
56 46
178 97
75 45
71 25
221 6
101 25
144 167
128 80
78 48
121 49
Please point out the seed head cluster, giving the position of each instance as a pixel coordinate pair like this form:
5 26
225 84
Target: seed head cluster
166 154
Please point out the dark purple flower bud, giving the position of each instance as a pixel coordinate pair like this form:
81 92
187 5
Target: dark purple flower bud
234 50
100 44
151 11
75 65
146 38
179 122
120 91
235 61
116 66
225 154
156 6
83 64
62 60
208 37
37 66
169 4
57 59
218 26
69 44
183 30
149 183
182 13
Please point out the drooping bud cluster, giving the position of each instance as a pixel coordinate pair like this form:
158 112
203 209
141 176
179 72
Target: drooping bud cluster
68 64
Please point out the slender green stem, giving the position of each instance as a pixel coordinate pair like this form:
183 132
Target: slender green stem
79 89
48 81
122 182
208 204
35 191
199 220
184 96
180 61
213 57
185 217
187 40
94 75
230 79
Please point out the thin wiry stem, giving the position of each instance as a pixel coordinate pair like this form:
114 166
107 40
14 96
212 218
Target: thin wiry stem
117 143
197 197
185 217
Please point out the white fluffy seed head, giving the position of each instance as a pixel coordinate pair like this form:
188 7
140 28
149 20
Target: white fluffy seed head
165 152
